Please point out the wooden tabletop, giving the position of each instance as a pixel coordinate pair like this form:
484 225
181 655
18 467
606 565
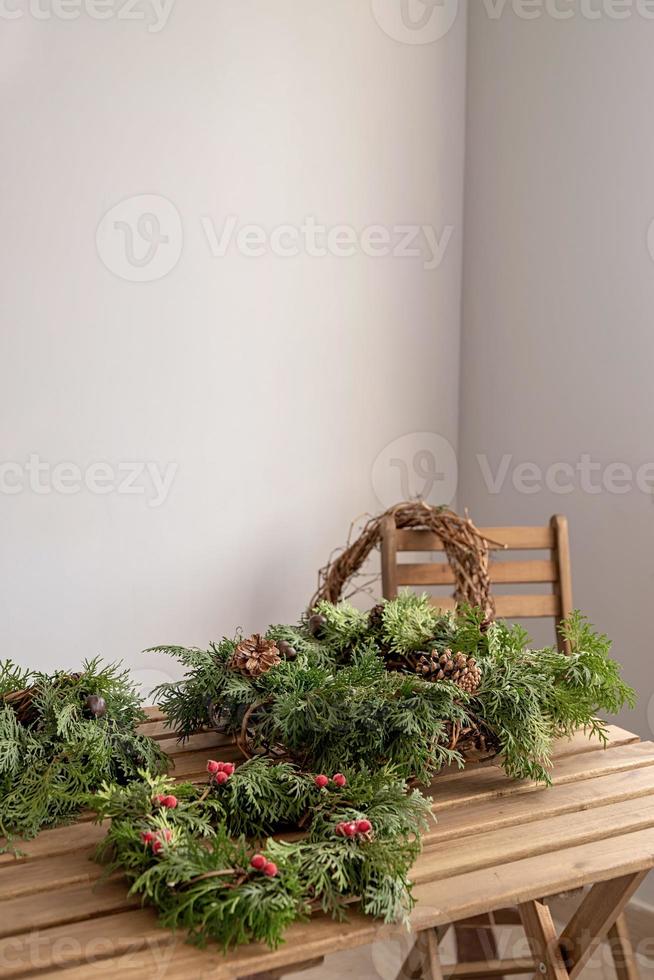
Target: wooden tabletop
497 843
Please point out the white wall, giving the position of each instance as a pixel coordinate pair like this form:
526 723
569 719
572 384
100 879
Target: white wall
558 344
271 383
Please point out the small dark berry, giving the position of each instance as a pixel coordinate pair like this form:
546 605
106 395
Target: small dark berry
287 651
96 705
317 623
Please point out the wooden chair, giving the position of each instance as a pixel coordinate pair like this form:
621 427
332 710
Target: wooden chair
550 572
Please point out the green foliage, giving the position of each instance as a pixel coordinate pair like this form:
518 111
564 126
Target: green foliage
412 623
337 705
529 698
202 880
51 761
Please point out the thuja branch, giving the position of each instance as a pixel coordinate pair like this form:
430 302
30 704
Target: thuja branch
209 863
61 736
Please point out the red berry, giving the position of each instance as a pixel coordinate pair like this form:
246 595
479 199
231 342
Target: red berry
158 799
221 778
213 767
338 829
363 826
228 767
258 862
147 836
270 869
167 835
349 829
321 781
157 846
339 779
170 802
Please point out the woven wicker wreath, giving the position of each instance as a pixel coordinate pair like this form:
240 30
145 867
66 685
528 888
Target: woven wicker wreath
466 548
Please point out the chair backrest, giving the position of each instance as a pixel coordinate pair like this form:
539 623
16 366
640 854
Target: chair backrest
551 570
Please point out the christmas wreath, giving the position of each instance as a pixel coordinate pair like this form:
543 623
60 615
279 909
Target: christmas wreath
405 685
204 858
61 736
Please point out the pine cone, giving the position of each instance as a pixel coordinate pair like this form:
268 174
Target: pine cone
426 664
254 657
23 704
376 618
460 669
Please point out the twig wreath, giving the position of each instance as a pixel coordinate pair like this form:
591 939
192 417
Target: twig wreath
466 548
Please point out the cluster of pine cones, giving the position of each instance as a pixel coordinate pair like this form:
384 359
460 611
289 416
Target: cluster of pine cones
462 670
459 668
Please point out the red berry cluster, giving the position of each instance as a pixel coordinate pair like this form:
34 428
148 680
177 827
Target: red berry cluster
353 828
220 771
170 802
338 779
156 839
261 863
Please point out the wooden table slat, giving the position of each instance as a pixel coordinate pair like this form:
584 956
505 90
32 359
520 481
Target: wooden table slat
464 896
585 798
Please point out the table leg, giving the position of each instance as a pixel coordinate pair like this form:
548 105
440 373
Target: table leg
543 941
423 962
622 950
428 946
596 915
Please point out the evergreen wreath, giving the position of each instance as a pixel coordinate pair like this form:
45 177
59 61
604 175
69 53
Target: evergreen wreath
404 685
204 858
61 736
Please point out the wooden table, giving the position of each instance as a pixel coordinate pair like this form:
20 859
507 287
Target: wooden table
497 844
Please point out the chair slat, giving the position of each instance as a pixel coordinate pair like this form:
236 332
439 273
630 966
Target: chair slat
513 606
440 573
514 538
